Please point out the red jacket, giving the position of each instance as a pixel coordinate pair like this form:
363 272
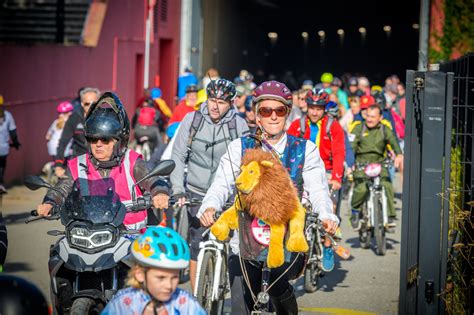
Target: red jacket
331 147
179 112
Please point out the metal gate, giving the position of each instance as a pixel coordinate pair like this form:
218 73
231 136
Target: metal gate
436 258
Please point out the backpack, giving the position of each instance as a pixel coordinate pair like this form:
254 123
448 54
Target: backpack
328 126
146 116
399 124
196 123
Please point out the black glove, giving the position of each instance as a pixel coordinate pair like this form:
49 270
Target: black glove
15 145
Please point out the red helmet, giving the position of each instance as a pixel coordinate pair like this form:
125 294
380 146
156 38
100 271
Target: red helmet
272 90
64 107
317 97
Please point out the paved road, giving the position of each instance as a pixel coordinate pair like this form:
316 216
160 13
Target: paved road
364 284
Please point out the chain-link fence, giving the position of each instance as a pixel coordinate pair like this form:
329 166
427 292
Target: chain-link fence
458 294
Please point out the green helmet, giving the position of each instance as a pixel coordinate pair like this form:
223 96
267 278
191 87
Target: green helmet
327 77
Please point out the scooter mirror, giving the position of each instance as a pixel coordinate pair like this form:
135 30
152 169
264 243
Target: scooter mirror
33 182
163 168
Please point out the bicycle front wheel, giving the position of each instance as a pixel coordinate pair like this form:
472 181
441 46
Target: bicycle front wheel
379 228
205 282
312 271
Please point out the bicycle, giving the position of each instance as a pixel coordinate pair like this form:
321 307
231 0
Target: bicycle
212 279
374 221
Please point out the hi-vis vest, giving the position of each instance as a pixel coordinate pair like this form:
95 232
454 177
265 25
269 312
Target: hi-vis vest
82 167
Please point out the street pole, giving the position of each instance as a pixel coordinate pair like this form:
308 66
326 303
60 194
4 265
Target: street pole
424 35
146 70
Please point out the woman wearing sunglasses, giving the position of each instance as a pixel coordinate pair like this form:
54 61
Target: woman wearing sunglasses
107 131
272 103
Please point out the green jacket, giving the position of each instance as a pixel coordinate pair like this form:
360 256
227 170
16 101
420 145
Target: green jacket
370 145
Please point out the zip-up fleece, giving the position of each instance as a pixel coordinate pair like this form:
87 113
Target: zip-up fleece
207 148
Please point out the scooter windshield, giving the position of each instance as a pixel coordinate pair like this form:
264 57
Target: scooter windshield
95 201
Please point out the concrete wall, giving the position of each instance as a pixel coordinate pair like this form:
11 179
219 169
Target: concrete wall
36 78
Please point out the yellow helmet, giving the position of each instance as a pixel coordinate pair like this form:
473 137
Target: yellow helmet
376 88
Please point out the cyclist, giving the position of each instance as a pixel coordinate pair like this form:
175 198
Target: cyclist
353 88
160 104
185 80
272 104
336 88
8 138
187 105
74 129
55 131
240 100
324 130
145 124
200 142
158 254
107 131
369 142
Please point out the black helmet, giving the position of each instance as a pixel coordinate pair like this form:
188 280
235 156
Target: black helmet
107 118
353 81
20 297
221 89
379 98
192 88
103 124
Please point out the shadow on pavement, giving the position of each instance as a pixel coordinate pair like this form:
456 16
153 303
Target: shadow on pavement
327 282
16 267
15 218
355 243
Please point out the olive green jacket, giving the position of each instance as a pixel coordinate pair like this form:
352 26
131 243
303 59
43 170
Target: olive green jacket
371 145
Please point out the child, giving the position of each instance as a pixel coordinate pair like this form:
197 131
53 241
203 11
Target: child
159 255
53 135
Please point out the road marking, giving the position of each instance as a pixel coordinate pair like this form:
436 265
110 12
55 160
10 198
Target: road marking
335 311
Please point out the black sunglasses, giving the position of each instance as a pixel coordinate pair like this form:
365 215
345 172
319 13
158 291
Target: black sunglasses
95 140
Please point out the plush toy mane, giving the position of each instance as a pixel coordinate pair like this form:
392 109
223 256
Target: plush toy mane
274 198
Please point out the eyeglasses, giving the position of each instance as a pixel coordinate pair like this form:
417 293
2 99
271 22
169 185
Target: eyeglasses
87 104
268 111
95 140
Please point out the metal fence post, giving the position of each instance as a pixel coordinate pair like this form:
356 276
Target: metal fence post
411 175
431 187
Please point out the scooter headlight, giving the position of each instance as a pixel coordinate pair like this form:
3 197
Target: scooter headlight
85 238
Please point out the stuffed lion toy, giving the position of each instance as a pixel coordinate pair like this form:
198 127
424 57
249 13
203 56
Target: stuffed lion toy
266 191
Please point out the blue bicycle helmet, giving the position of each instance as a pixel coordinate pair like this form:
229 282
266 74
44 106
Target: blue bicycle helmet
155 93
161 247
332 108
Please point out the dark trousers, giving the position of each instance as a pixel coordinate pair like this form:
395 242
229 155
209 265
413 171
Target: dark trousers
151 132
3 166
241 297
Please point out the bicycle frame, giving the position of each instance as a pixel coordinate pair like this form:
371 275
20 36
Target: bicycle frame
312 230
375 187
220 251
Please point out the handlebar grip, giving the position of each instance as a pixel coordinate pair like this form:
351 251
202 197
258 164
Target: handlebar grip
216 215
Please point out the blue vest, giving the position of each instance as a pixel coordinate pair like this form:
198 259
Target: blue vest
293 157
